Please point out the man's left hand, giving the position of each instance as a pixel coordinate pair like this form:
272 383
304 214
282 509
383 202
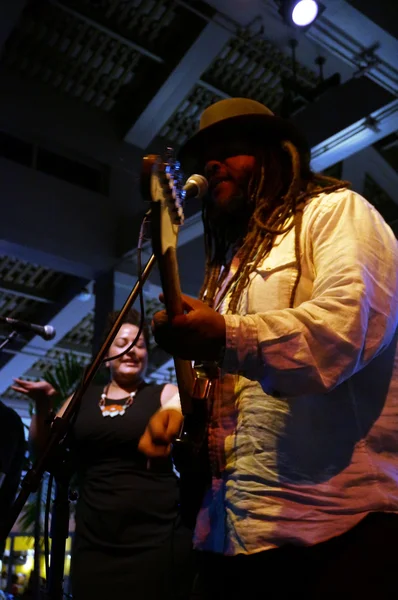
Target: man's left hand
199 334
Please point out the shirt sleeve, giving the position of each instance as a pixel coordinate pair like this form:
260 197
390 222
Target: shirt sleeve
350 317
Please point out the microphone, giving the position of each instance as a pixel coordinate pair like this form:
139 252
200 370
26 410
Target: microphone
195 187
47 332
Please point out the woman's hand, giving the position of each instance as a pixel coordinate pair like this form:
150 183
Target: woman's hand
39 391
199 334
162 429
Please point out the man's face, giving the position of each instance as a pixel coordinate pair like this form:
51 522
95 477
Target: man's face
228 170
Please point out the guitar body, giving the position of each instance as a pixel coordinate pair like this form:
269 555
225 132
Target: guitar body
190 452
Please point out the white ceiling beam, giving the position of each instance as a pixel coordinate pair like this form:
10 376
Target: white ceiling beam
356 137
178 85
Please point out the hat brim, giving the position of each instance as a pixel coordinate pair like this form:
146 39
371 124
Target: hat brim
261 129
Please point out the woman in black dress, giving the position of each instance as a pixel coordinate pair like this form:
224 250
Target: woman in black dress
129 540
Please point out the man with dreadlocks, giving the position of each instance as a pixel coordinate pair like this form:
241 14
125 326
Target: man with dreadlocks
299 308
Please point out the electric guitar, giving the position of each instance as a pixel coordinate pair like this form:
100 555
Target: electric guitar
161 185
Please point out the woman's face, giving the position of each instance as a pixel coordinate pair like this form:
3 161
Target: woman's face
130 367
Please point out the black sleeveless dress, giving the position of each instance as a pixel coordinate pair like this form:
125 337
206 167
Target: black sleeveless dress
129 541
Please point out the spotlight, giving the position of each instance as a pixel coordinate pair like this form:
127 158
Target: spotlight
304 12
300 13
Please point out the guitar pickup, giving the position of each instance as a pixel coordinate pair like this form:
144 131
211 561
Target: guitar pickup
201 388
204 378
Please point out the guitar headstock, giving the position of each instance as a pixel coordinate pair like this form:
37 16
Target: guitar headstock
161 185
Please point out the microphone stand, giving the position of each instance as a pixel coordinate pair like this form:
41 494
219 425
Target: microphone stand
8 339
53 458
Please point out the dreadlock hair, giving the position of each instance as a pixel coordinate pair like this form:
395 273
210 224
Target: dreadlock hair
279 188
133 317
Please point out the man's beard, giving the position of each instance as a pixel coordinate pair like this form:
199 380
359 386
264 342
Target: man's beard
231 219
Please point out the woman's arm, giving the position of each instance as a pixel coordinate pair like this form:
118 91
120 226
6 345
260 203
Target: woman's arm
170 398
42 393
164 425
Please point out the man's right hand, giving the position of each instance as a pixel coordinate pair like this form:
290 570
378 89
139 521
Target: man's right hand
39 391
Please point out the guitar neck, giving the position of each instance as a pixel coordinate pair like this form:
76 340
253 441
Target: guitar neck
172 295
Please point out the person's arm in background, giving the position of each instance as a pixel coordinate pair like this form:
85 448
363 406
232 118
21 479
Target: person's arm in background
12 454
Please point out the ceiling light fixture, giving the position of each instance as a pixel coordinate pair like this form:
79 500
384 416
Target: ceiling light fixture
300 13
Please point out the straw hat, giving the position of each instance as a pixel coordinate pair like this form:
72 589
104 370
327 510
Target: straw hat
237 117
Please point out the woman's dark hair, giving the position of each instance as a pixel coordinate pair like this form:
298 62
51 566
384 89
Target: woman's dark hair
133 317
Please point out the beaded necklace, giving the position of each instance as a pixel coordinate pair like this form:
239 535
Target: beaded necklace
112 410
